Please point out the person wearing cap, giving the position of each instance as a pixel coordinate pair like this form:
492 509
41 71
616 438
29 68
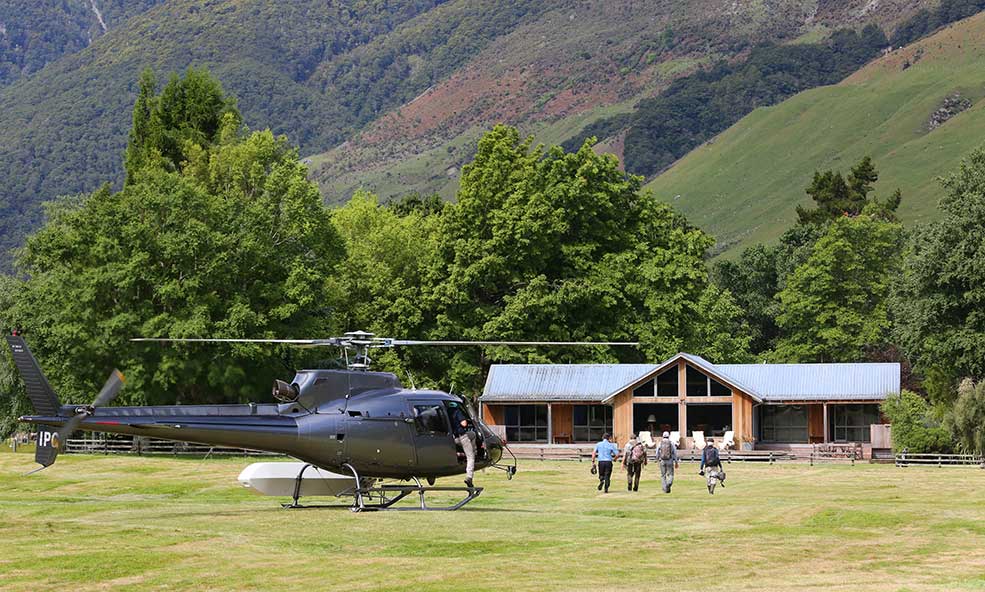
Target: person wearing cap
712 464
605 452
667 456
633 460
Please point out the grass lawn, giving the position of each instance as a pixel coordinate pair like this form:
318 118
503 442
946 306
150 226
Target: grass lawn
122 523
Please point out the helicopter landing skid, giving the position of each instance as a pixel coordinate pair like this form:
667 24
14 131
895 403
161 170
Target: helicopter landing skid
373 497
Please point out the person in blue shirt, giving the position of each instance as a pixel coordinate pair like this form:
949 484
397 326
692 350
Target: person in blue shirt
605 453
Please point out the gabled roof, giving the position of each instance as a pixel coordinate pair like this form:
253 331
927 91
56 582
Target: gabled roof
812 382
763 382
560 382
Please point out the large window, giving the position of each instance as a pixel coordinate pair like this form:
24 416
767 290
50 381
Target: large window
783 423
852 422
667 383
591 421
699 385
525 423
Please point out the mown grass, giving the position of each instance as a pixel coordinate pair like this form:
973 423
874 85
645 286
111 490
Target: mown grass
744 185
124 523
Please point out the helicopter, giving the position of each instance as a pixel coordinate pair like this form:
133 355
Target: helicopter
355 426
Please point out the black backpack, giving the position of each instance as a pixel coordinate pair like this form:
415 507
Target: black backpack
712 457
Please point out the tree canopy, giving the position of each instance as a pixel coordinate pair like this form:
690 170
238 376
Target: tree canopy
223 236
940 295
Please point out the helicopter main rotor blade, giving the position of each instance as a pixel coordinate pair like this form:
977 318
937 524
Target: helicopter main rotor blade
333 341
390 342
106 395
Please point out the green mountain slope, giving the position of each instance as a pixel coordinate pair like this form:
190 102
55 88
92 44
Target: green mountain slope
744 185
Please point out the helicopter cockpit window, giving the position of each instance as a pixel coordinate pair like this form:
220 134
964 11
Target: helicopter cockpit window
430 418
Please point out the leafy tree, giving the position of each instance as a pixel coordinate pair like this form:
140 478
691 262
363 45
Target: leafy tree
914 426
835 304
837 196
190 111
548 245
235 243
939 298
415 203
966 420
754 281
387 258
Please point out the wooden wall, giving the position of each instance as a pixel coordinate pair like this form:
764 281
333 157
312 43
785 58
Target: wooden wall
815 423
742 410
492 414
562 419
622 416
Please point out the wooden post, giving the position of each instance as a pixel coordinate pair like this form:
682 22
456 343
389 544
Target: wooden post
550 427
682 405
825 422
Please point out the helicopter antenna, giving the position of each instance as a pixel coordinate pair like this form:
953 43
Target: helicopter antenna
411 377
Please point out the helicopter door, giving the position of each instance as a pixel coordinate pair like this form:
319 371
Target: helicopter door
435 444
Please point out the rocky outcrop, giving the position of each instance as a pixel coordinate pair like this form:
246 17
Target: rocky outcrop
949 107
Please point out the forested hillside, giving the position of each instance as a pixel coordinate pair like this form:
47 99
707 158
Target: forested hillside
418 77
317 71
36 33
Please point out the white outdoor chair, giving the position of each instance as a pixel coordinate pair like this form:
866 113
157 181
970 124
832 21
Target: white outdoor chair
698 437
675 437
728 440
647 439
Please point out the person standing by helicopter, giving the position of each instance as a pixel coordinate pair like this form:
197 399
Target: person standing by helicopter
464 432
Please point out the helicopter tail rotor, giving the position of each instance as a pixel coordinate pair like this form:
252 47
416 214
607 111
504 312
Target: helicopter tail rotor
106 395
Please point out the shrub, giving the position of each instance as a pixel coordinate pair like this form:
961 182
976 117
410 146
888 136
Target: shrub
966 420
914 427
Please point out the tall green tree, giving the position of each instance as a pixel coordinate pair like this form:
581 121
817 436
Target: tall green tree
940 297
234 242
836 195
835 304
548 245
189 112
966 419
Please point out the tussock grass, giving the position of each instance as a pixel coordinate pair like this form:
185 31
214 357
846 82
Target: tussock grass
125 523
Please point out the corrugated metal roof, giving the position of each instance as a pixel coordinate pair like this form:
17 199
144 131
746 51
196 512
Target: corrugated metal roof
764 382
786 382
560 382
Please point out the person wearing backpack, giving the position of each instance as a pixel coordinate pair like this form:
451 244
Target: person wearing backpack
712 463
633 460
667 456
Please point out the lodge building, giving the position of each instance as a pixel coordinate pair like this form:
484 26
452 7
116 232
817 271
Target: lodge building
765 406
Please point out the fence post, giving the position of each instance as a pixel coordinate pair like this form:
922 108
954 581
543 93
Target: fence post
771 457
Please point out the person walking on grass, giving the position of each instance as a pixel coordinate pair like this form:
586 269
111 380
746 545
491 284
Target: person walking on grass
605 452
633 460
667 456
711 464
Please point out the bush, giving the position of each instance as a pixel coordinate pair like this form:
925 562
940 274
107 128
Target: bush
966 420
914 427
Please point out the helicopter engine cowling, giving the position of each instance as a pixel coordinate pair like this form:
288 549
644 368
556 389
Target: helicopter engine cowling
288 393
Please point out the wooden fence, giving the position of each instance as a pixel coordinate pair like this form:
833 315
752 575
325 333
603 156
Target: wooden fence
906 459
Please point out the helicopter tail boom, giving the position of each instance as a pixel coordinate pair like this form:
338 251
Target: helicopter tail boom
277 434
